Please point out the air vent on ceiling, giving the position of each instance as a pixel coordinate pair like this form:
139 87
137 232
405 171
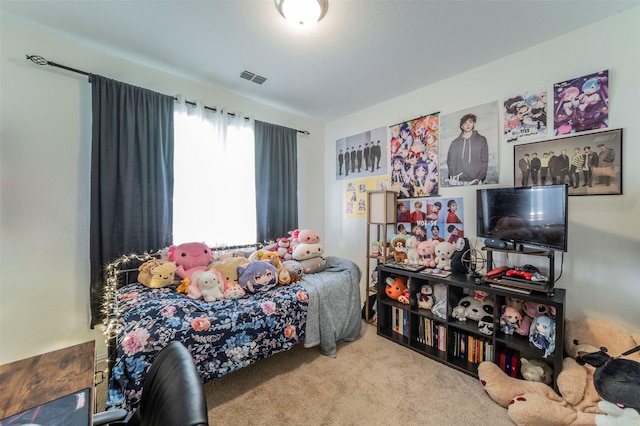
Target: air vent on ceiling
248 75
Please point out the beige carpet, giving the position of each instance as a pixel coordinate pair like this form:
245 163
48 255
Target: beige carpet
373 381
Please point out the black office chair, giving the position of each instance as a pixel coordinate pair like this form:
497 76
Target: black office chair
172 394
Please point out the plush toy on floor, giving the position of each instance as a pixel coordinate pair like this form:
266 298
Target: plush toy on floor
616 380
535 403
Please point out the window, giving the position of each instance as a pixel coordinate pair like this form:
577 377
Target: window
214 185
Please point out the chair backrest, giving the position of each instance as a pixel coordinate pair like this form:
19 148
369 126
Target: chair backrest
172 393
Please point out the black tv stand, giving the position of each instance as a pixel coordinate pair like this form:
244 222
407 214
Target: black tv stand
521 250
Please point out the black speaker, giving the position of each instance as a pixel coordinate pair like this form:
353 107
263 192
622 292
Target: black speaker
494 243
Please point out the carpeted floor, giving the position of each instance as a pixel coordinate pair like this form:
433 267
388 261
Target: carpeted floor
373 381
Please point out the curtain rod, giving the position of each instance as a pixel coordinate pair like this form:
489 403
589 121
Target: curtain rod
39 60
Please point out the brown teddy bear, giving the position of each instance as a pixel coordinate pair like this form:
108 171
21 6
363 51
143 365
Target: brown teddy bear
534 403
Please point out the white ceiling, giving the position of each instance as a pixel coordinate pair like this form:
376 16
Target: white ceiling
363 52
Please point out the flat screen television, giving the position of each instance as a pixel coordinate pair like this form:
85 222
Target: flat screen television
529 215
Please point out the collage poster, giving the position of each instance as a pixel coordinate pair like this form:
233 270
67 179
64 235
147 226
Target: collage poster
525 117
436 218
355 194
414 157
581 104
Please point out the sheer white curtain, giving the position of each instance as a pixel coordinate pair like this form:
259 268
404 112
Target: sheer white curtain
214 196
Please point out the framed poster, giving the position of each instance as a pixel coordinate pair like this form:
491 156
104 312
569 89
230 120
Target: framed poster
591 164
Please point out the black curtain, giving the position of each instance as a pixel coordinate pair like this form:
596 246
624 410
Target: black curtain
276 180
131 176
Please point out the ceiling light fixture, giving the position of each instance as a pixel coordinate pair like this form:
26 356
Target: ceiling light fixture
302 13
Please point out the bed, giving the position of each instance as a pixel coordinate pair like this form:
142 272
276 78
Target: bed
323 309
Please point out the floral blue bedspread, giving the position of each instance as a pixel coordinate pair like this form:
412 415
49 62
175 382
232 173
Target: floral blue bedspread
222 336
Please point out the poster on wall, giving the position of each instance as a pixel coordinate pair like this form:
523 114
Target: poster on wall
355 194
362 155
437 218
525 116
591 163
469 146
413 147
581 104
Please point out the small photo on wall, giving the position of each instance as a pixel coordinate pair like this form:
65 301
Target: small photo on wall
525 116
581 104
469 146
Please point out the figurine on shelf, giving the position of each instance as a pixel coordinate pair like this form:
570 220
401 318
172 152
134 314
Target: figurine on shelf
543 334
375 249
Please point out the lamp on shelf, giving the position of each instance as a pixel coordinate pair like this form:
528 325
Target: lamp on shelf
382 207
302 13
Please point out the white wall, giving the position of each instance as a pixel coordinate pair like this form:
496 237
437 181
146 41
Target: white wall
45 144
601 267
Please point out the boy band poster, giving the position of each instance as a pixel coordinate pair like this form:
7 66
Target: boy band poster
437 218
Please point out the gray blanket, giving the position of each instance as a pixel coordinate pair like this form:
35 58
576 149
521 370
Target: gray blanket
334 305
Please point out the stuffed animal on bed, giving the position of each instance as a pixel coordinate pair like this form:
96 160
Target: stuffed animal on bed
307 251
157 273
206 285
269 256
295 270
229 268
190 257
233 291
257 276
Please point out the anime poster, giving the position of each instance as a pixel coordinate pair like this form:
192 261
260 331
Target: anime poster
581 104
414 157
525 117
362 155
355 194
469 146
436 218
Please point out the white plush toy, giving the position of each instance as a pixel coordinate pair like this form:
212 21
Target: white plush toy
536 370
307 251
207 285
411 245
471 308
443 254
